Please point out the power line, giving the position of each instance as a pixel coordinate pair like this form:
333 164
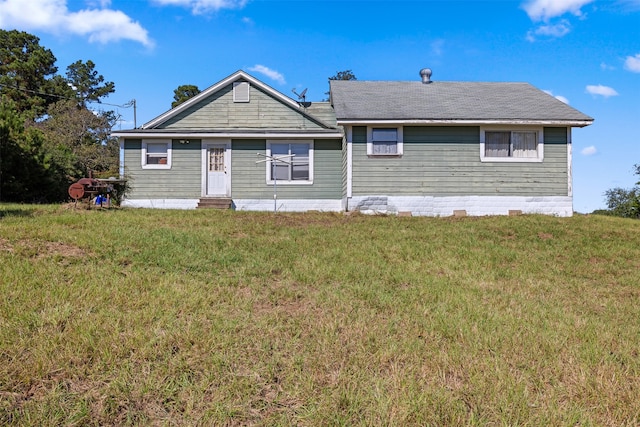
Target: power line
34 92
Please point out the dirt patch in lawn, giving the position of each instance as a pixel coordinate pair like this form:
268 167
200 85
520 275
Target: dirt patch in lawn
43 249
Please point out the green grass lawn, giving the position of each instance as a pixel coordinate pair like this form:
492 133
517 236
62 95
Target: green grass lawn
129 317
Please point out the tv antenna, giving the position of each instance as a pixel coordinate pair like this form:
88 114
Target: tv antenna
301 96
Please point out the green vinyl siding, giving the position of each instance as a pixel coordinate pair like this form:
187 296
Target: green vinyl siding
218 111
182 181
555 136
249 179
445 161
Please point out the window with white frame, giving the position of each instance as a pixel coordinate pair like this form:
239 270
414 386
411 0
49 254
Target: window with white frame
384 141
291 162
156 154
511 145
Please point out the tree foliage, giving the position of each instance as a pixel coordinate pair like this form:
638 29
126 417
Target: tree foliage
84 134
341 75
28 171
87 84
26 71
625 202
48 135
183 93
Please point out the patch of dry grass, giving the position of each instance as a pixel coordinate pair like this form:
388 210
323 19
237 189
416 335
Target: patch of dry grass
226 318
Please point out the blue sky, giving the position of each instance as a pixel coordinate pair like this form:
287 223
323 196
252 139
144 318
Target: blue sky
586 52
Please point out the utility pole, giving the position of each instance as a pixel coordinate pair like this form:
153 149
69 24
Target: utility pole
132 103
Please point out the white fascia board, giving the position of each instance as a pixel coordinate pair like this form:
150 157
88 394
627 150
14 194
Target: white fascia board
200 135
212 89
569 163
453 122
349 141
121 157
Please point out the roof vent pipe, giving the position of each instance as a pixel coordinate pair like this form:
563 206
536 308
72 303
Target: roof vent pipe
425 73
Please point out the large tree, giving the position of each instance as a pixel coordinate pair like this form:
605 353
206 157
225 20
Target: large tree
26 71
28 170
183 93
86 83
80 139
48 135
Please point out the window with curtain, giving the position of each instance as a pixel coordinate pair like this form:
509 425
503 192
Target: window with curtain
384 141
516 144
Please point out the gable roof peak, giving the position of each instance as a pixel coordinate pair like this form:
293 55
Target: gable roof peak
234 77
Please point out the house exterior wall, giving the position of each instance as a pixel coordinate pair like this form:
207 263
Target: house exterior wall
182 181
249 181
445 161
219 111
439 172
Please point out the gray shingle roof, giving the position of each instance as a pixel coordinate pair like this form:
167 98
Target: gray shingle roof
394 100
322 111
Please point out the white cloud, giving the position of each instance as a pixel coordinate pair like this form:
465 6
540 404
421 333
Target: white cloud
605 91
436 47
543 10
589 151
556 30
53 16
560 29
272 74
605 66
632 63
630 5
103 4
558 97
199 7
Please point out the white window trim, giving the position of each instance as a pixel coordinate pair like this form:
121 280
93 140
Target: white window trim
370 141
539 131
296 182
144 153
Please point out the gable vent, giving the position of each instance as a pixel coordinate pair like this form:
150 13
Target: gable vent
241 92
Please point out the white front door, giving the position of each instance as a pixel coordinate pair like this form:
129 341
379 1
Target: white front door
217 179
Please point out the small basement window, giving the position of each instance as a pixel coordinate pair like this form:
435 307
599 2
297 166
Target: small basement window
156 154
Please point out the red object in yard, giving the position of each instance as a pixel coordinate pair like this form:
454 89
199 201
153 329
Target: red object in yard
102 189
76 191
89 187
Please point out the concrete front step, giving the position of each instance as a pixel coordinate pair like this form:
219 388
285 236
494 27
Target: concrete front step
214 203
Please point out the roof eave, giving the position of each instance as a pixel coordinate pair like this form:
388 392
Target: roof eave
478 122
285 134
